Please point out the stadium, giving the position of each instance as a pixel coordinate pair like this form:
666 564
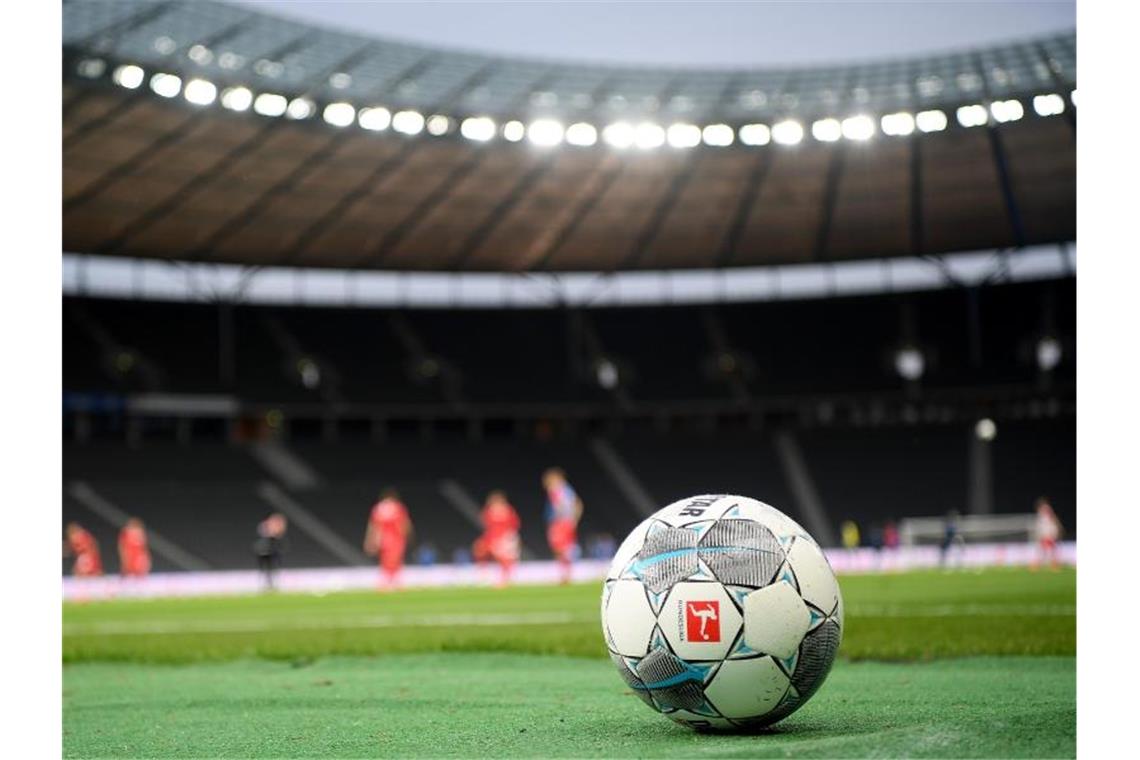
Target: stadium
307 271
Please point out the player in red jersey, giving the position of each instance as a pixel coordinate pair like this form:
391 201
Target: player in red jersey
389 528
83 546
500 539
563 511
134 554
1048 531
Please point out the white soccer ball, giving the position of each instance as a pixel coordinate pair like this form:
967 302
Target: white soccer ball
722 612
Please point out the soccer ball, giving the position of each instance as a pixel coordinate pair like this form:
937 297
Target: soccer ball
722 613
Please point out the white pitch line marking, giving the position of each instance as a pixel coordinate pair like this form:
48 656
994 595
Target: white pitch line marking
265 626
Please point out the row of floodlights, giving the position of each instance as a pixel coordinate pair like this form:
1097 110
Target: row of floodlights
549 132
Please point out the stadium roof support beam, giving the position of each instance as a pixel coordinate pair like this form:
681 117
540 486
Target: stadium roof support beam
130 23
1013 212
756 177
1061 85
419 212
500 211
917 226
660 213
543 248
830 193
328 220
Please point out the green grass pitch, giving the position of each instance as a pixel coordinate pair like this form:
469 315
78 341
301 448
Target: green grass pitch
958 664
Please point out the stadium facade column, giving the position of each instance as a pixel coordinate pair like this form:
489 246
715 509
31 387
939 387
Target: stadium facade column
981 493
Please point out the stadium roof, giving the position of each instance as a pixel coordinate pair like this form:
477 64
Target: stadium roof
173 148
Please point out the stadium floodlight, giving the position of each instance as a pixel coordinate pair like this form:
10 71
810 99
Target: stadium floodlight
826 130
973 115
910 363
606 373
787 132
1007 110
755 134
128 76
1048 105
582 134
375 119
408 122
200 54
683 135
237 98
859 128
270 104
513 131
478 128
166 85
302 108
1073 97
620 134
986 429
930 121
718 135
438 124
898 124
91 68
545 132
339 114
200 92
648 135
1049 353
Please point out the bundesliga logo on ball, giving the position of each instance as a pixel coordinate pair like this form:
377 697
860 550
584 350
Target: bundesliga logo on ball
722 612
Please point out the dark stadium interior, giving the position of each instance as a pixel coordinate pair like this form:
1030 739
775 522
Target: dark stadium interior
524 396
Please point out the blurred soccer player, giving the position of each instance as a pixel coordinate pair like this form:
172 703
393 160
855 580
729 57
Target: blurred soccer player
270 547
563 511
387 534
1048 530
500 539
950 537
83 546
134 554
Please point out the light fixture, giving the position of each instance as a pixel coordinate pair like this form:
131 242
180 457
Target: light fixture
374 119
545 132
303 108
270 104
898 124
755 134
972 115
438 125
986 429
408 122
620 134
581 134
683 135
930 121
1007 110
859 128
606 373
477 128
200 92
236 98
1049 353
648 135
718 135
787 132
1048 105
166 85
339 114
513 131
826 130
128 76
910 363
91 68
